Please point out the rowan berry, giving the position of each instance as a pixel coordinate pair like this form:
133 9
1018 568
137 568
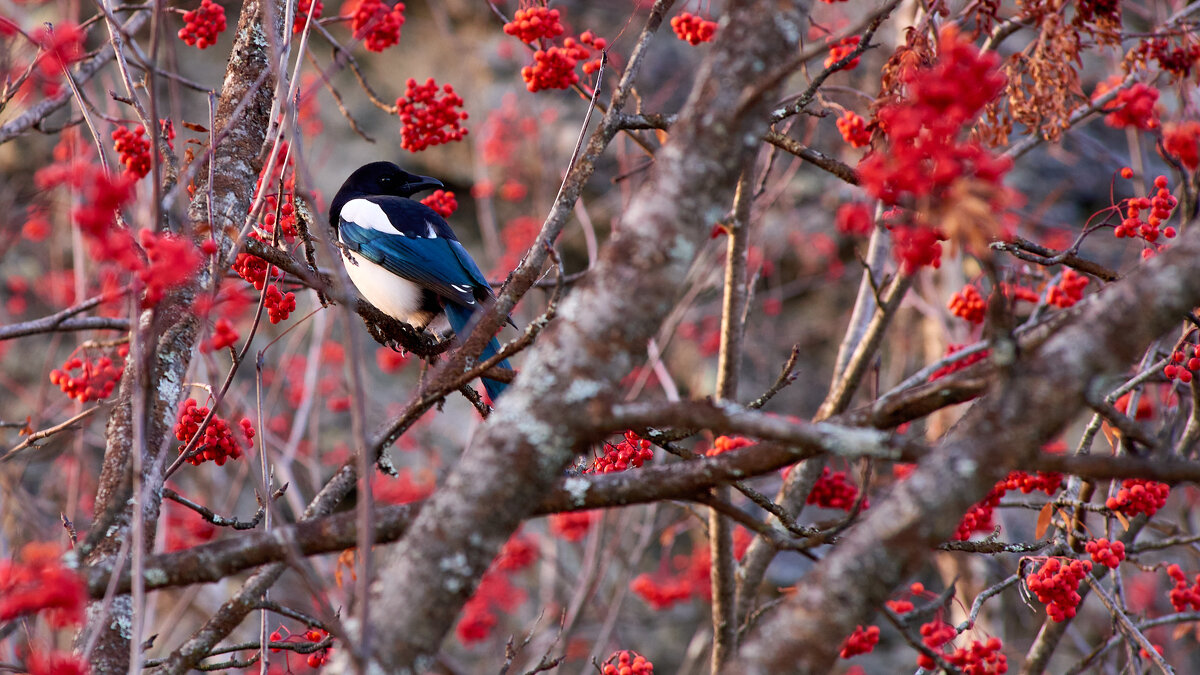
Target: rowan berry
1069 290
627 663
279 305
38 582
554 68
861 641
1138 495
1184 595
533 23
959 364
968 304
693 29
218 443
1134 106
202 25
133 148
442 201
376 24
428 118
303 8
1183 141
854 219
981 658
832 491
223 336
853 129
1056 584
97 378
843 48
1103 552
934 635
628 454
723 444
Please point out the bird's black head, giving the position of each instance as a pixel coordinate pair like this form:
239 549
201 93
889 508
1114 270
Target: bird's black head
379 178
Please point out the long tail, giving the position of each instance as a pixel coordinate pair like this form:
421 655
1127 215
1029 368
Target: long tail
460 318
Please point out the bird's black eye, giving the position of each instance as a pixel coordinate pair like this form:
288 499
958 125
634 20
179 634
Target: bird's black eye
385 180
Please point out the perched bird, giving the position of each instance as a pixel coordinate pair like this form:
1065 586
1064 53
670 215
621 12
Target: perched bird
402 255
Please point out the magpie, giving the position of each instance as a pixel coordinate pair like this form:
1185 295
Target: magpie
403 256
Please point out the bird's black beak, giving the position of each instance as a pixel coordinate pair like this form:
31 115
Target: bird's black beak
423 183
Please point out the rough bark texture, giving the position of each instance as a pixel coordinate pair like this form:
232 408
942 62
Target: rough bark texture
602 329
1038 395
168 332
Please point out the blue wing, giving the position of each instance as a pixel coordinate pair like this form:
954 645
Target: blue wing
412 241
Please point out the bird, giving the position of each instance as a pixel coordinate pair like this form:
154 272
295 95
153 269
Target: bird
404 258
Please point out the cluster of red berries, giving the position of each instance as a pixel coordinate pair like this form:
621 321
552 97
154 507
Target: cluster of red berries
833 491
934 635
442 201
254 269
133 148
1160 206
915 247
924 155
554 68
428 118
218 443
723 444
202 25
1182 140
302 10
39 582
96 379
853 129
1069 290
843 48
629 453
1045 481
1184 595
968 304
854 219
959 364
1018 293
574 525
1056 585
1139 495
279 305
1134 107
627 663
312 635
693 29
861 641
533 23
981 658
376 24
1181 365
1104 552
979 518
172 260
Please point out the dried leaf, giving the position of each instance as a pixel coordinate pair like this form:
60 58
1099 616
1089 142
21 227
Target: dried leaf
1113 436
661 134
1045 516
1121 517
345 559
192 126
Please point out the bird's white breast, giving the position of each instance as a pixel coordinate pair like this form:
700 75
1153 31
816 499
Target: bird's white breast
395 296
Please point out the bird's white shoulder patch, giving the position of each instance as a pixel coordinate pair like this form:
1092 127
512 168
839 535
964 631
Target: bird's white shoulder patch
430 231
368 214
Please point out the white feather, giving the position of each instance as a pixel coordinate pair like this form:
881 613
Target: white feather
368 214
395 296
